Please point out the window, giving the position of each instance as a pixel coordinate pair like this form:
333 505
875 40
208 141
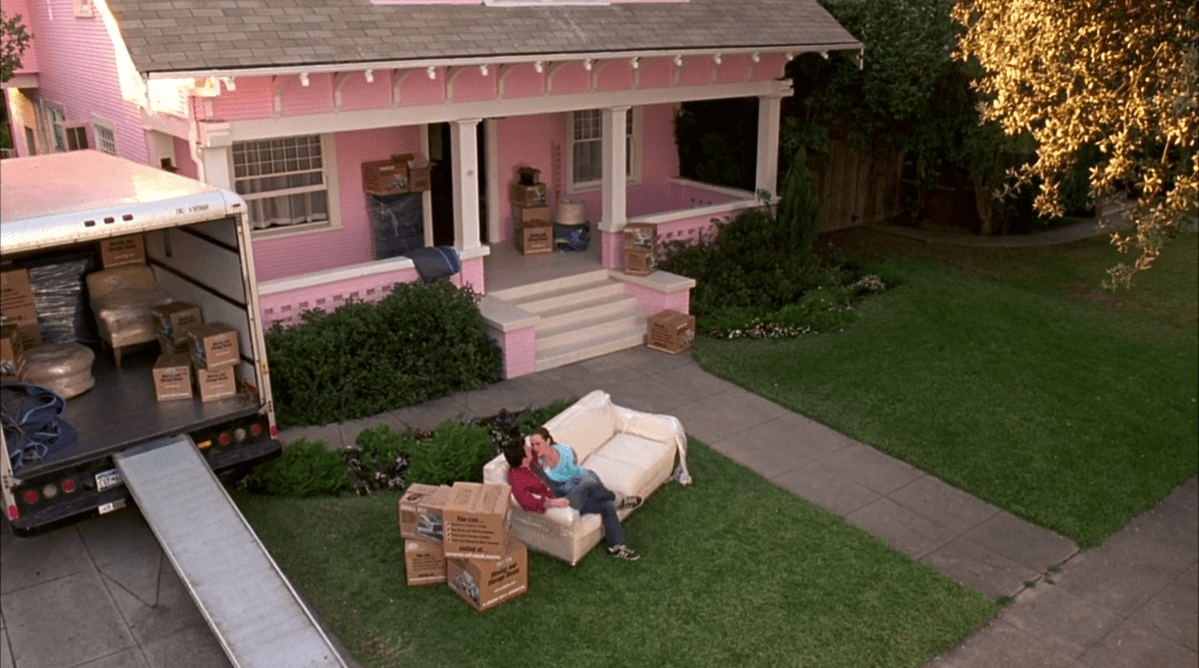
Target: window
52 118
586 151
105 134
76 136
282 180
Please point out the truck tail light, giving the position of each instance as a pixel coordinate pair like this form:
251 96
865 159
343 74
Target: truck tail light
13 513
224 438
68 485
274 431
30 496
256 430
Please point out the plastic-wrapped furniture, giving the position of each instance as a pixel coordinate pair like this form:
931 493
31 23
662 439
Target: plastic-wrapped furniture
121 298
633 452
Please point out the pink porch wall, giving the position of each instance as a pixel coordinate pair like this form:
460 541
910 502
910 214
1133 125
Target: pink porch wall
183 159
77 69
353 242
528 141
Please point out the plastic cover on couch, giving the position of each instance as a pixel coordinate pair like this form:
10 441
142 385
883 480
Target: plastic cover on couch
633 452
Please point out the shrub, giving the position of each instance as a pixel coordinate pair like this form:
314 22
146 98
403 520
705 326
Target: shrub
456 451
421 342
305 468
380 457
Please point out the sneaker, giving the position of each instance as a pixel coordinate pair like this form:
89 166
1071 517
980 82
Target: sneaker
625 552
629 503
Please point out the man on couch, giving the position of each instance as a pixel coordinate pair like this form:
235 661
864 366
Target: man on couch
585 493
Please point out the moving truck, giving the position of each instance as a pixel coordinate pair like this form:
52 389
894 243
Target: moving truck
86 209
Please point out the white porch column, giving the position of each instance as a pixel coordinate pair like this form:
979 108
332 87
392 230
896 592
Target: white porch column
769 116
464 145
615 148
215 147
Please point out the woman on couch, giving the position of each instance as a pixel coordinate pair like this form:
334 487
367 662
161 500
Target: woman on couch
535 490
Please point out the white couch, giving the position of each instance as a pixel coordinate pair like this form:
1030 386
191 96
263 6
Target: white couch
633 453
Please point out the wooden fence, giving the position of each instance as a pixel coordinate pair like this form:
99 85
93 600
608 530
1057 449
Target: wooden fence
857 187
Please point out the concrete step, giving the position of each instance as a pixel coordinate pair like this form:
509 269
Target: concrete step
583 309
615 324
525 292
582 349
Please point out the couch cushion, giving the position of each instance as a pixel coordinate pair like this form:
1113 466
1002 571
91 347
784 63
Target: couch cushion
627 463
585 431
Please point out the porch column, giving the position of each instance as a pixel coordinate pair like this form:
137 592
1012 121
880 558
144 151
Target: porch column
215 146
614 147
464 144
769 115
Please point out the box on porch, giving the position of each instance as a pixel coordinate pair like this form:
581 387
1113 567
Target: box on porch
528 195
639 262
117 251
670 331
476 521
532 237
641 236
385 177
420 512
424 562
486 583
419 171
173 377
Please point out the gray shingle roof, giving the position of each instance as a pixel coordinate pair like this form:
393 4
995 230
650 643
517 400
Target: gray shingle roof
192 35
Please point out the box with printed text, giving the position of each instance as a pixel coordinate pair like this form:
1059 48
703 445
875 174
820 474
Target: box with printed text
475 518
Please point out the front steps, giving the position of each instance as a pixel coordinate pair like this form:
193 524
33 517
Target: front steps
578 317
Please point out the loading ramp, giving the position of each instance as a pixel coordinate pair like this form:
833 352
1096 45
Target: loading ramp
254 612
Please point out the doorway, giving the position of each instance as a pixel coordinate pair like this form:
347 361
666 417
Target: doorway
441 180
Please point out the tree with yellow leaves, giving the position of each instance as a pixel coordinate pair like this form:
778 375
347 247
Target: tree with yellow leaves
1116 74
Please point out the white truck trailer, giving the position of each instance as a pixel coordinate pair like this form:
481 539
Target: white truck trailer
162 455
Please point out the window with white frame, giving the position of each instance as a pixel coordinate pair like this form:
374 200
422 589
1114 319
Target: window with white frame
52 117
105 133
586 147
74 135
282 180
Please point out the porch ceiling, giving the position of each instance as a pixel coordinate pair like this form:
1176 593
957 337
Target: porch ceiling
201 38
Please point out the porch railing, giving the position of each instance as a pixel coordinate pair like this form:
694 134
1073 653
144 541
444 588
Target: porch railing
688 223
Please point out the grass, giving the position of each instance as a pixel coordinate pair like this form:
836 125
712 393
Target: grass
735 571
1010 374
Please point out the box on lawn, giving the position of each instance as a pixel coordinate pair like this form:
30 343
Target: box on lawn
424 562
670 331
486 583
216 383
117 251
175 318
173 377
420 511
213 345
17 306
533 238
639 262
641 236
528 195
475 518
12 354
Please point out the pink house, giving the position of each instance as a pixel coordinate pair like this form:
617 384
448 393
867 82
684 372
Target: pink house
283 101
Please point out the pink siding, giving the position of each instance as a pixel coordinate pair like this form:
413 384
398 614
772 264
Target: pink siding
417 88
520 351
697 71
768 68
358 93
732 69
615 75
183 159
523 81
528 141
77 65
353 242
315 98
470 85
571 78
254 98
656 73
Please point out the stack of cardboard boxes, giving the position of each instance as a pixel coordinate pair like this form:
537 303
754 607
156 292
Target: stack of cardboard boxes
215 356
640 248
532 224
403 173
459 535
172 369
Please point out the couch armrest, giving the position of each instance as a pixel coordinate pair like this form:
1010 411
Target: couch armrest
664 428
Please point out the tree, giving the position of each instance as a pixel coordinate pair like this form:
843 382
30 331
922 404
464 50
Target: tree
1119 75
13 41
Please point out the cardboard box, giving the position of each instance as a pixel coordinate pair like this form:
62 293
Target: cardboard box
214 345
216 383
531 215
175 318
475 519
641 236
167 346
17 307
486 583
173 377
122 250
419 171
670 331
12 354
528 176
528 195
639 262
385 177
420 512
424 562
534 238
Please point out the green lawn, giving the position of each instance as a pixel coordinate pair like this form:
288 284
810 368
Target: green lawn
734 572
1010 374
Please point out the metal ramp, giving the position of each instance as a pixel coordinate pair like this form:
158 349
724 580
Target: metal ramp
255 613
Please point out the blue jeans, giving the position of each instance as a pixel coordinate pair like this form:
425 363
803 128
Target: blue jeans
587 494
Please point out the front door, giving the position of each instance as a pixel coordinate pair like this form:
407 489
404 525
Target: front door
441 182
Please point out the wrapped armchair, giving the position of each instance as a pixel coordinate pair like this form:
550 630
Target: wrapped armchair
121 298
633 452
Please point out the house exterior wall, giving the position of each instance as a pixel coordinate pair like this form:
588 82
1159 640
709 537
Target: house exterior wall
78 69
29 61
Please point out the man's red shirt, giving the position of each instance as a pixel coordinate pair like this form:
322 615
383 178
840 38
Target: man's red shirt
530 491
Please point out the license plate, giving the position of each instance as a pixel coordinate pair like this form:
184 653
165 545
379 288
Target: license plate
106 479
109 507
